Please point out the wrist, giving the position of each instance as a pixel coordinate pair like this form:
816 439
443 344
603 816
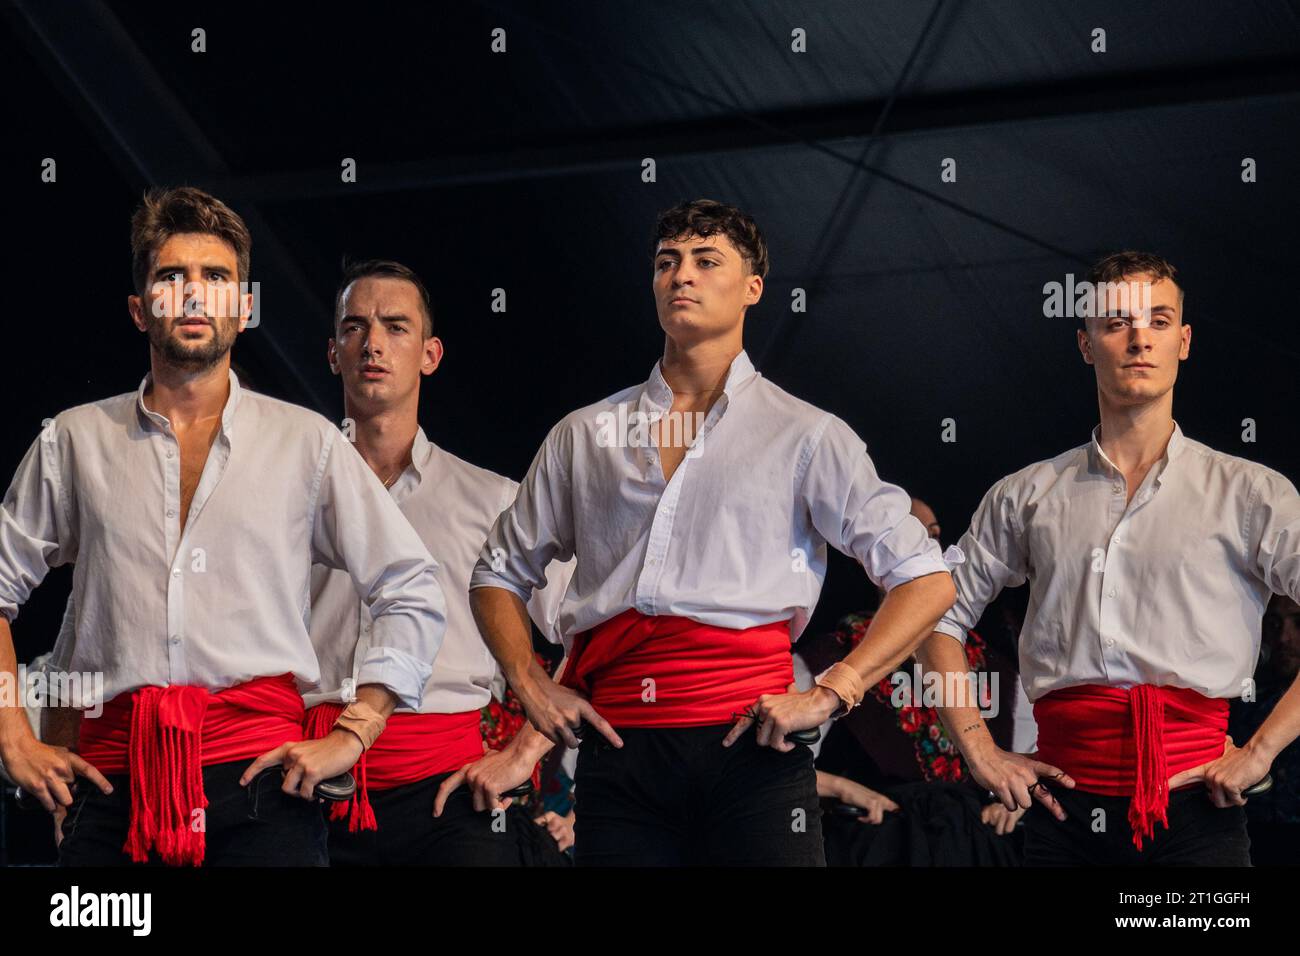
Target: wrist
827 701
1261 747
349 738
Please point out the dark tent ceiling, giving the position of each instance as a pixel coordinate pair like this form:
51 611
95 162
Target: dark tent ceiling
522 171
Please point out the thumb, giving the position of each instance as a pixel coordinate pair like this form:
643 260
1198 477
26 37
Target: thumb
1185 777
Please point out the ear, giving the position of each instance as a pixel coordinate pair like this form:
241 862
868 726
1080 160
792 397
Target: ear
332 356
1085 345
135 305
245 310
753 289
432 357
1187 342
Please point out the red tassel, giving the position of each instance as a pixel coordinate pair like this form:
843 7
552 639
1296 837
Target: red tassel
1151 787
357 810
167 775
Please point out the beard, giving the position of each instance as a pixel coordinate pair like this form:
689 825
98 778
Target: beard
195 356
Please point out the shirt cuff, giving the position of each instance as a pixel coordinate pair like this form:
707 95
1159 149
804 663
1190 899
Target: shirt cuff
951 629
913 568
484 577
402 673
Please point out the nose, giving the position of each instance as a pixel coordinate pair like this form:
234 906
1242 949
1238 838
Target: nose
372 345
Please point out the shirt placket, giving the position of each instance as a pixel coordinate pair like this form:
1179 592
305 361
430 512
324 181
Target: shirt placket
1117 573
661 528
177 667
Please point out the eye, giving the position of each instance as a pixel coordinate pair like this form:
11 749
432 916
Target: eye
216 277
661 263
707 262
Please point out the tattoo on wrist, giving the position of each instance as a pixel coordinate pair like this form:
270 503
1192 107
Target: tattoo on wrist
969 727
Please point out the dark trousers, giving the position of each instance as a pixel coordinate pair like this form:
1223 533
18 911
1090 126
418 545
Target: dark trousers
1096 832
409 834
257 825
675 797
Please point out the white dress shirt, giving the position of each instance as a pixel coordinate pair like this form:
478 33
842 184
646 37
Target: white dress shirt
738 536
226 599
451 504
1169 589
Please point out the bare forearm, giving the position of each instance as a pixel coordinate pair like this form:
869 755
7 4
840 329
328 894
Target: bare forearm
907 615
943 654
14 725
379 697
503 621
1281 727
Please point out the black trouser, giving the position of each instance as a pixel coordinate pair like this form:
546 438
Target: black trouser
409 834
1096 832
257 825
674 797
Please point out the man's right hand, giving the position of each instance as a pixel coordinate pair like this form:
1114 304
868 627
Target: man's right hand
488 777
47 772
558 711
1012 777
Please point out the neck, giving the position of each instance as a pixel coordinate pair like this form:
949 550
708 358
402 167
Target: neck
1136 435
385 437
699 370
186 395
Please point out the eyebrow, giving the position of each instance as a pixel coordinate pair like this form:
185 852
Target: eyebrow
383 318
207 267
697 251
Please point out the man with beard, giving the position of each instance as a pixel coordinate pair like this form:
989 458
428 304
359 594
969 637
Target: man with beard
193 510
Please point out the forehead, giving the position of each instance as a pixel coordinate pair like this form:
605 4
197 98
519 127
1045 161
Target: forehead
1138 289
381 295
719 240
193 246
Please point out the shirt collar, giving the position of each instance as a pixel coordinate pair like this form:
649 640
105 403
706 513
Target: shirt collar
1097 457
740 371
422 452
227 413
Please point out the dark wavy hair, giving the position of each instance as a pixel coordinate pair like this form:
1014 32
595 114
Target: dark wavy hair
708 217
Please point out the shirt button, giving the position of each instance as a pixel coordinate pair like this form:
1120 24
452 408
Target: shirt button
171 513
1119 489
170 454
1116 539
176 572
1111 593
175 639
1111 642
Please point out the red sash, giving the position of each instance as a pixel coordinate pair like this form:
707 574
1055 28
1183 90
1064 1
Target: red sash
1129 743
702 674
163 737
412 747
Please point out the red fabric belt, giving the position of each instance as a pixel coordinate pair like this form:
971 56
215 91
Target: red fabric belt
412 747
163 737
702 674
1118 742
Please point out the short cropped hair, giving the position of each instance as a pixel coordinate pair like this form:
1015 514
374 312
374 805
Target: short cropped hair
387 269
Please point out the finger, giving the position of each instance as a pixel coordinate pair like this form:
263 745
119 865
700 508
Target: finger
61 794
1056 774
307 789
292 778
890 804
764 730
269 759
1045 797
741 725
1194 775
43 795
564 735
84 769
600 723
448 785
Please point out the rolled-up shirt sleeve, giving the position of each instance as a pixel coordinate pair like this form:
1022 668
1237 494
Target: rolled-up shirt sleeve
861 515
1275 538
36 530
535 530
358 528
995 558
